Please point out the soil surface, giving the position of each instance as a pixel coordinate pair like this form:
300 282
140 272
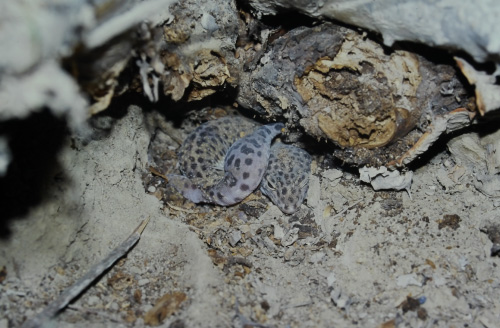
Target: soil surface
351 256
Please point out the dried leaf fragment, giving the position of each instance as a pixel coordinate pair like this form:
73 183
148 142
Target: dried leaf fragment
164 308
487 90
451 221
120 281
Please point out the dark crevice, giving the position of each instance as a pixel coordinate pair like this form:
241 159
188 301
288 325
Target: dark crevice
34 143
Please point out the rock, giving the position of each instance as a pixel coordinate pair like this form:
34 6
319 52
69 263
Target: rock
444 179
289 253
317 257
340 299
234 237
208 22
408 280
290 237
331 279
314 193
332 174
93 300
143 282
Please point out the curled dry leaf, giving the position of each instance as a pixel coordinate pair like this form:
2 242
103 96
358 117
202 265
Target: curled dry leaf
120 281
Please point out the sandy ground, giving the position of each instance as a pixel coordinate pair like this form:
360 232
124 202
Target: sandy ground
350 256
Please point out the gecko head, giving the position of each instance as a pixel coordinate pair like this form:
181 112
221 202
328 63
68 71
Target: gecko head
288 197
286 180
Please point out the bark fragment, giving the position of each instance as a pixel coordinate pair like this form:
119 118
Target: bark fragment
338 85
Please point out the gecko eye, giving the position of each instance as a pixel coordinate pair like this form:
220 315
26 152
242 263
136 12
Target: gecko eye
270 185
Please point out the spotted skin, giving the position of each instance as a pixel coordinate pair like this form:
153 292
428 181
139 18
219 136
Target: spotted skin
206 147
222 142
245 165
201 156
225 160
286 180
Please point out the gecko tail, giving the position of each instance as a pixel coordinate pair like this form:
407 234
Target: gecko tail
186 187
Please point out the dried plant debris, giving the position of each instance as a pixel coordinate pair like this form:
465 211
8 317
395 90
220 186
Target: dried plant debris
414 304
451 221
164 307
383 179
70 293
190 56
338 85
399 23
179 52
486 86
476 155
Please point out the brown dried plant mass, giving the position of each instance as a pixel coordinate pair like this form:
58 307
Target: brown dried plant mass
164 307
451 221
359 95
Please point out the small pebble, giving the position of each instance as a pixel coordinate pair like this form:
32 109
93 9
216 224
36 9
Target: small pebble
317 257
135 270
234 237
410 279
331 279
93 300
151 189
114 306
208 22
290 237
242 216
269 243
146 308
143 282
339 298
289 253
332 174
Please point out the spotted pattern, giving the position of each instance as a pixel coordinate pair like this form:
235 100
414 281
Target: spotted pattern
286 180
248 160
244 166
202 155
206 147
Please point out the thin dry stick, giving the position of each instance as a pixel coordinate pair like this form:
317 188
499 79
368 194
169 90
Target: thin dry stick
345 209
41 319
180 209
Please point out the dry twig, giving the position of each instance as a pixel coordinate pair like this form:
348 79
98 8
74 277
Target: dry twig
41 319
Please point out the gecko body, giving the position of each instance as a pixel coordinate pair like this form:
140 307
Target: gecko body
224 160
